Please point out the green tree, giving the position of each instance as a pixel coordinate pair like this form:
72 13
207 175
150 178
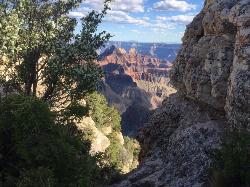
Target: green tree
43 56
37 152
102 114
231 166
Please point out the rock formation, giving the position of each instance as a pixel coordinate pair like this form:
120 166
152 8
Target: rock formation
134 84
133 103
212 77
132 63
213 65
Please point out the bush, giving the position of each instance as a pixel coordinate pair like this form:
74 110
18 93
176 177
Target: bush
132 146
35 150
114 154
231 166
102 114
40 177
119 155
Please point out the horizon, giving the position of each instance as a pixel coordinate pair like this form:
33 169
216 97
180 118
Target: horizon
143 21
145 42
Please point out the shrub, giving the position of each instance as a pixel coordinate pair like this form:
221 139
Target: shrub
119 155
35 150
102 114
132 145
231 166
114 153
40 177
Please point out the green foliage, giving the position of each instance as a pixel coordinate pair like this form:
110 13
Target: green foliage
35 150
115 155
232 162
40 49
102 114
119 155
42 57
40 177
132 146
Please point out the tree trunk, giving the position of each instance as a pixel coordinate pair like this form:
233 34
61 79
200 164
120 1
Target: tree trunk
30 66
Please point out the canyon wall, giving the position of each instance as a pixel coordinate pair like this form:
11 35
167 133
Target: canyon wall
135 84
212 77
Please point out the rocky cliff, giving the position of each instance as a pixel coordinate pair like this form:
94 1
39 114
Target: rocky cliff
133 103
134 84
212 76
213 65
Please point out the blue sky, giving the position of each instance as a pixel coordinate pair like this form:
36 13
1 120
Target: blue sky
145 20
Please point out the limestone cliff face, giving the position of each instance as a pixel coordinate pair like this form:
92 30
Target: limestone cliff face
213 65
212 77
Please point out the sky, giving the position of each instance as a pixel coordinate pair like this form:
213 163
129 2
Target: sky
156 21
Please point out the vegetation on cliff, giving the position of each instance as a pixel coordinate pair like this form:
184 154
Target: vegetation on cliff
35 151
232 161
102 114
122 153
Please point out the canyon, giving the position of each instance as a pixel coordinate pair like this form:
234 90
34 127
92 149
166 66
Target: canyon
155 117
135 84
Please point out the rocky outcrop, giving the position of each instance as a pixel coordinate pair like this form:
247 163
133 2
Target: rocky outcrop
133 103
212 77
176 144
213 65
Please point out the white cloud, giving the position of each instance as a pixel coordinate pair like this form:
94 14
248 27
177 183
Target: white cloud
80 12
146 18
135 31
161 18
76 14
174 5
124 18
182 19
121 15
117 5
161 27
119 12
128 5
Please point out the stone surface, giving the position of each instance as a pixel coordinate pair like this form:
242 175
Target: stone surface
100 142
212 77
213 65
176 144
120 138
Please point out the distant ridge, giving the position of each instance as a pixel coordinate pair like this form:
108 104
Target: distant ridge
162 51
